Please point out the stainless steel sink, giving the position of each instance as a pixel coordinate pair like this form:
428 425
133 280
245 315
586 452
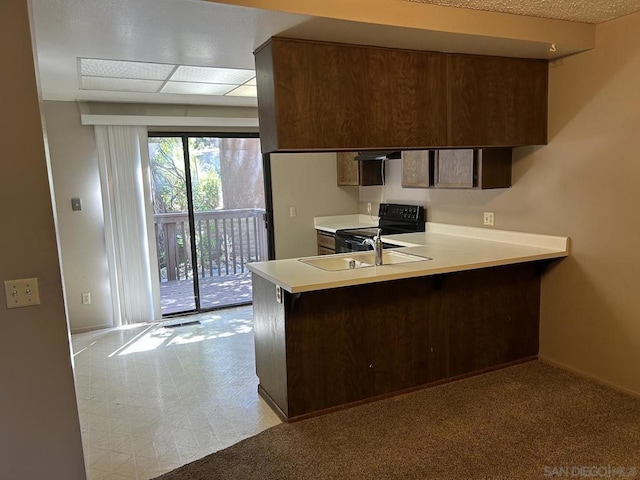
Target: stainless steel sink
350 261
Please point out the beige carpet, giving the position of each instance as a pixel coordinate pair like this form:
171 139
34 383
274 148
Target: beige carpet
531 421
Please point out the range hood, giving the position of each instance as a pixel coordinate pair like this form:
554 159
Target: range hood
378 155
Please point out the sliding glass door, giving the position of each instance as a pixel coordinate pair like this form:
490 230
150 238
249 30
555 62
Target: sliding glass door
209 208
172 225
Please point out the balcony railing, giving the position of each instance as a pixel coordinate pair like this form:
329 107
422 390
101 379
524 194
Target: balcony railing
226 240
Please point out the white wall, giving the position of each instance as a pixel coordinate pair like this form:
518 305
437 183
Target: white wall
583 184
39 426
74 165
308 182
464 207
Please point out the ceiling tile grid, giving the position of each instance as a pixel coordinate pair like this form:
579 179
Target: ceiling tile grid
144 77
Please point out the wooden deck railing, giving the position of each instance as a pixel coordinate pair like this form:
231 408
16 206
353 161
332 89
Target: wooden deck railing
225 241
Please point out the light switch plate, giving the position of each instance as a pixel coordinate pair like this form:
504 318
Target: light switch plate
22 293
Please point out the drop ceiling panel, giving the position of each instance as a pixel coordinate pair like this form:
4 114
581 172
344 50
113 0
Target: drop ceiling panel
94 67
244 91
121 84
178 32
212 75
196 88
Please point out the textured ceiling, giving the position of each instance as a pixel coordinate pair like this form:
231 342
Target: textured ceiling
586 11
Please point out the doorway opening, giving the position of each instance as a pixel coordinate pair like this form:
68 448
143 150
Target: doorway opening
209 218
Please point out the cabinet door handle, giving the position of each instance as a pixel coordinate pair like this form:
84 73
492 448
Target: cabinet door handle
371 365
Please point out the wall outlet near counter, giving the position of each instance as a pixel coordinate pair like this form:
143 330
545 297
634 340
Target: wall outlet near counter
278 294
489 218
292 211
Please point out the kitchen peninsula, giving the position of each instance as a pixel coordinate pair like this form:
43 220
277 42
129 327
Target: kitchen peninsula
326 339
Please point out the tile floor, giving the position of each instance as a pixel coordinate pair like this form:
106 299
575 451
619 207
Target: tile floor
152 398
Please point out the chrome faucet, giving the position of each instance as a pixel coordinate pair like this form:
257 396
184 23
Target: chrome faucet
376 243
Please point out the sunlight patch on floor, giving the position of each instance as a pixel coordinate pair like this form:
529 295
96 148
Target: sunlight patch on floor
152 398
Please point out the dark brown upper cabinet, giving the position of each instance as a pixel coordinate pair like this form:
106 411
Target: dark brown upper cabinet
332 97
351 172
457 168
497 101
319 96
472 168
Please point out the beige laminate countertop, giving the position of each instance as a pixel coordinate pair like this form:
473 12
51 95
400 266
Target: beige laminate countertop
339 222
453 248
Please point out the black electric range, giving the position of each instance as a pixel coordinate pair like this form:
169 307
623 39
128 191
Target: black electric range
393 218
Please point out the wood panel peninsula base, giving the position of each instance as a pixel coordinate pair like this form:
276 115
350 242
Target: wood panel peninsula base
322 350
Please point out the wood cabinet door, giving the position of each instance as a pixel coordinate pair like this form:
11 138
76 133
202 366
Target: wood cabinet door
494 167
326 347
349 344
416 168
358 173
326 243
493 316
327 96
455 169
371 172
472 168
325 251
497 101
404 344
348 169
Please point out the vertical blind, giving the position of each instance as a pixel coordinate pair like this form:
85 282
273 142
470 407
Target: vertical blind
121 177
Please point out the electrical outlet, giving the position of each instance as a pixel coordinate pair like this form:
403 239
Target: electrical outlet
86 298
278 294
489 218
369 208
292 211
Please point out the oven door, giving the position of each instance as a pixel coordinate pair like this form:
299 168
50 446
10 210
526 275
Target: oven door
350 241
346 243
